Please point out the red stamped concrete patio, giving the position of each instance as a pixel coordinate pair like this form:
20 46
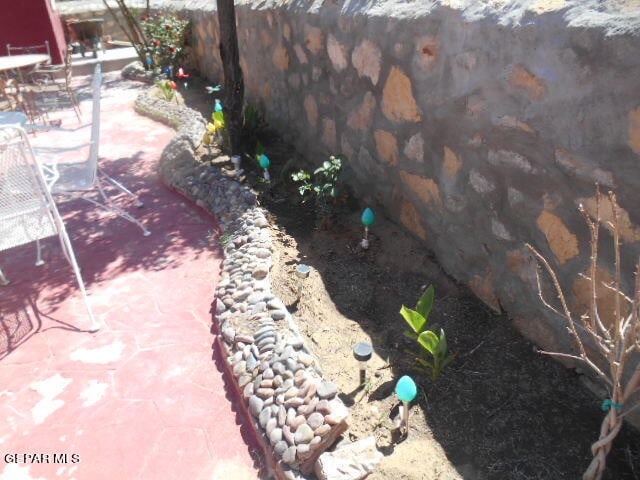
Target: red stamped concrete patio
142 398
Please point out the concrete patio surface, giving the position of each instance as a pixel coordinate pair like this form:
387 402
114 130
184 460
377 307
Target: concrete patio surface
143 397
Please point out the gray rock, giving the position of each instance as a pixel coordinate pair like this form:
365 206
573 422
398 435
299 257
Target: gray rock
304 434
349 462
327 390
252 363
244 338
228 334
280 447
275 436
271 424
248 391
220 306
295 342
315 420
239 368
255 405
282 416
264 417
292 365
244 380
279 314
289 455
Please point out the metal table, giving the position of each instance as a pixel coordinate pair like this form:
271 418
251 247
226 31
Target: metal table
18 62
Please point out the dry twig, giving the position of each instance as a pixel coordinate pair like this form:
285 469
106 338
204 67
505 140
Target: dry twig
618 343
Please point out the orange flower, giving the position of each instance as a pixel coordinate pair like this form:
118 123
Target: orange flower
174 85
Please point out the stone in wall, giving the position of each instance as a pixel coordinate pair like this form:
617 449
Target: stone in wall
414 148
563 243
533 86
452 163
302 57
425 188
265 38
366 58
294 80
582 169
483 287
281 58
629 232
313 39
387 146
500 230
519 261
634 130
410 218
329 134
337 53
426 52
506 158
606 297
507 121
311 108
360 118
480 183
398 103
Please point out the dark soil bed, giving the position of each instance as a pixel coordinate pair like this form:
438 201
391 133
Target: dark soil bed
499 411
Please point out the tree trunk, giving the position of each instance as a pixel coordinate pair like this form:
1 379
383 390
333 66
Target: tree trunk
233 82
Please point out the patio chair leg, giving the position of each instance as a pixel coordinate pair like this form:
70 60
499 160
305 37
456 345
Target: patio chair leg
110 205
124 189
94 324
3 280
39 261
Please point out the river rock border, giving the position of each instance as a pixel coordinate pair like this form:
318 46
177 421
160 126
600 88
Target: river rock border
295 413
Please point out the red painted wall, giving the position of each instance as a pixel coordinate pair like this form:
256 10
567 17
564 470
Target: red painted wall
31 22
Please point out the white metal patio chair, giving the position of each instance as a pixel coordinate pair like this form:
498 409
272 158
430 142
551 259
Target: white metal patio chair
27 210
83 178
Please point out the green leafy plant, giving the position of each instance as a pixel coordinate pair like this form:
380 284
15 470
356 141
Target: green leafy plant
167 88
434 356
166 36
324 189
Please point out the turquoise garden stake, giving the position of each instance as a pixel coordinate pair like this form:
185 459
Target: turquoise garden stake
264 163
406 391
367 220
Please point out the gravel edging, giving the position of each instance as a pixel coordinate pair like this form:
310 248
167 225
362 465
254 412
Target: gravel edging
296 414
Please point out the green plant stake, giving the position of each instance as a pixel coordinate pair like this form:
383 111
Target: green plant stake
367 219
264 163
406 391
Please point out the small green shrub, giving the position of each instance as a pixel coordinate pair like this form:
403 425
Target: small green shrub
167 88
434 355
324 189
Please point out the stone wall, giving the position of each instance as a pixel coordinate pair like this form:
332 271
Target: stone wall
477 125
476 130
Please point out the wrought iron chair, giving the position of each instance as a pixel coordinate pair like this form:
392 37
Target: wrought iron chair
52 92
83 178
25 50
27 210
13 97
